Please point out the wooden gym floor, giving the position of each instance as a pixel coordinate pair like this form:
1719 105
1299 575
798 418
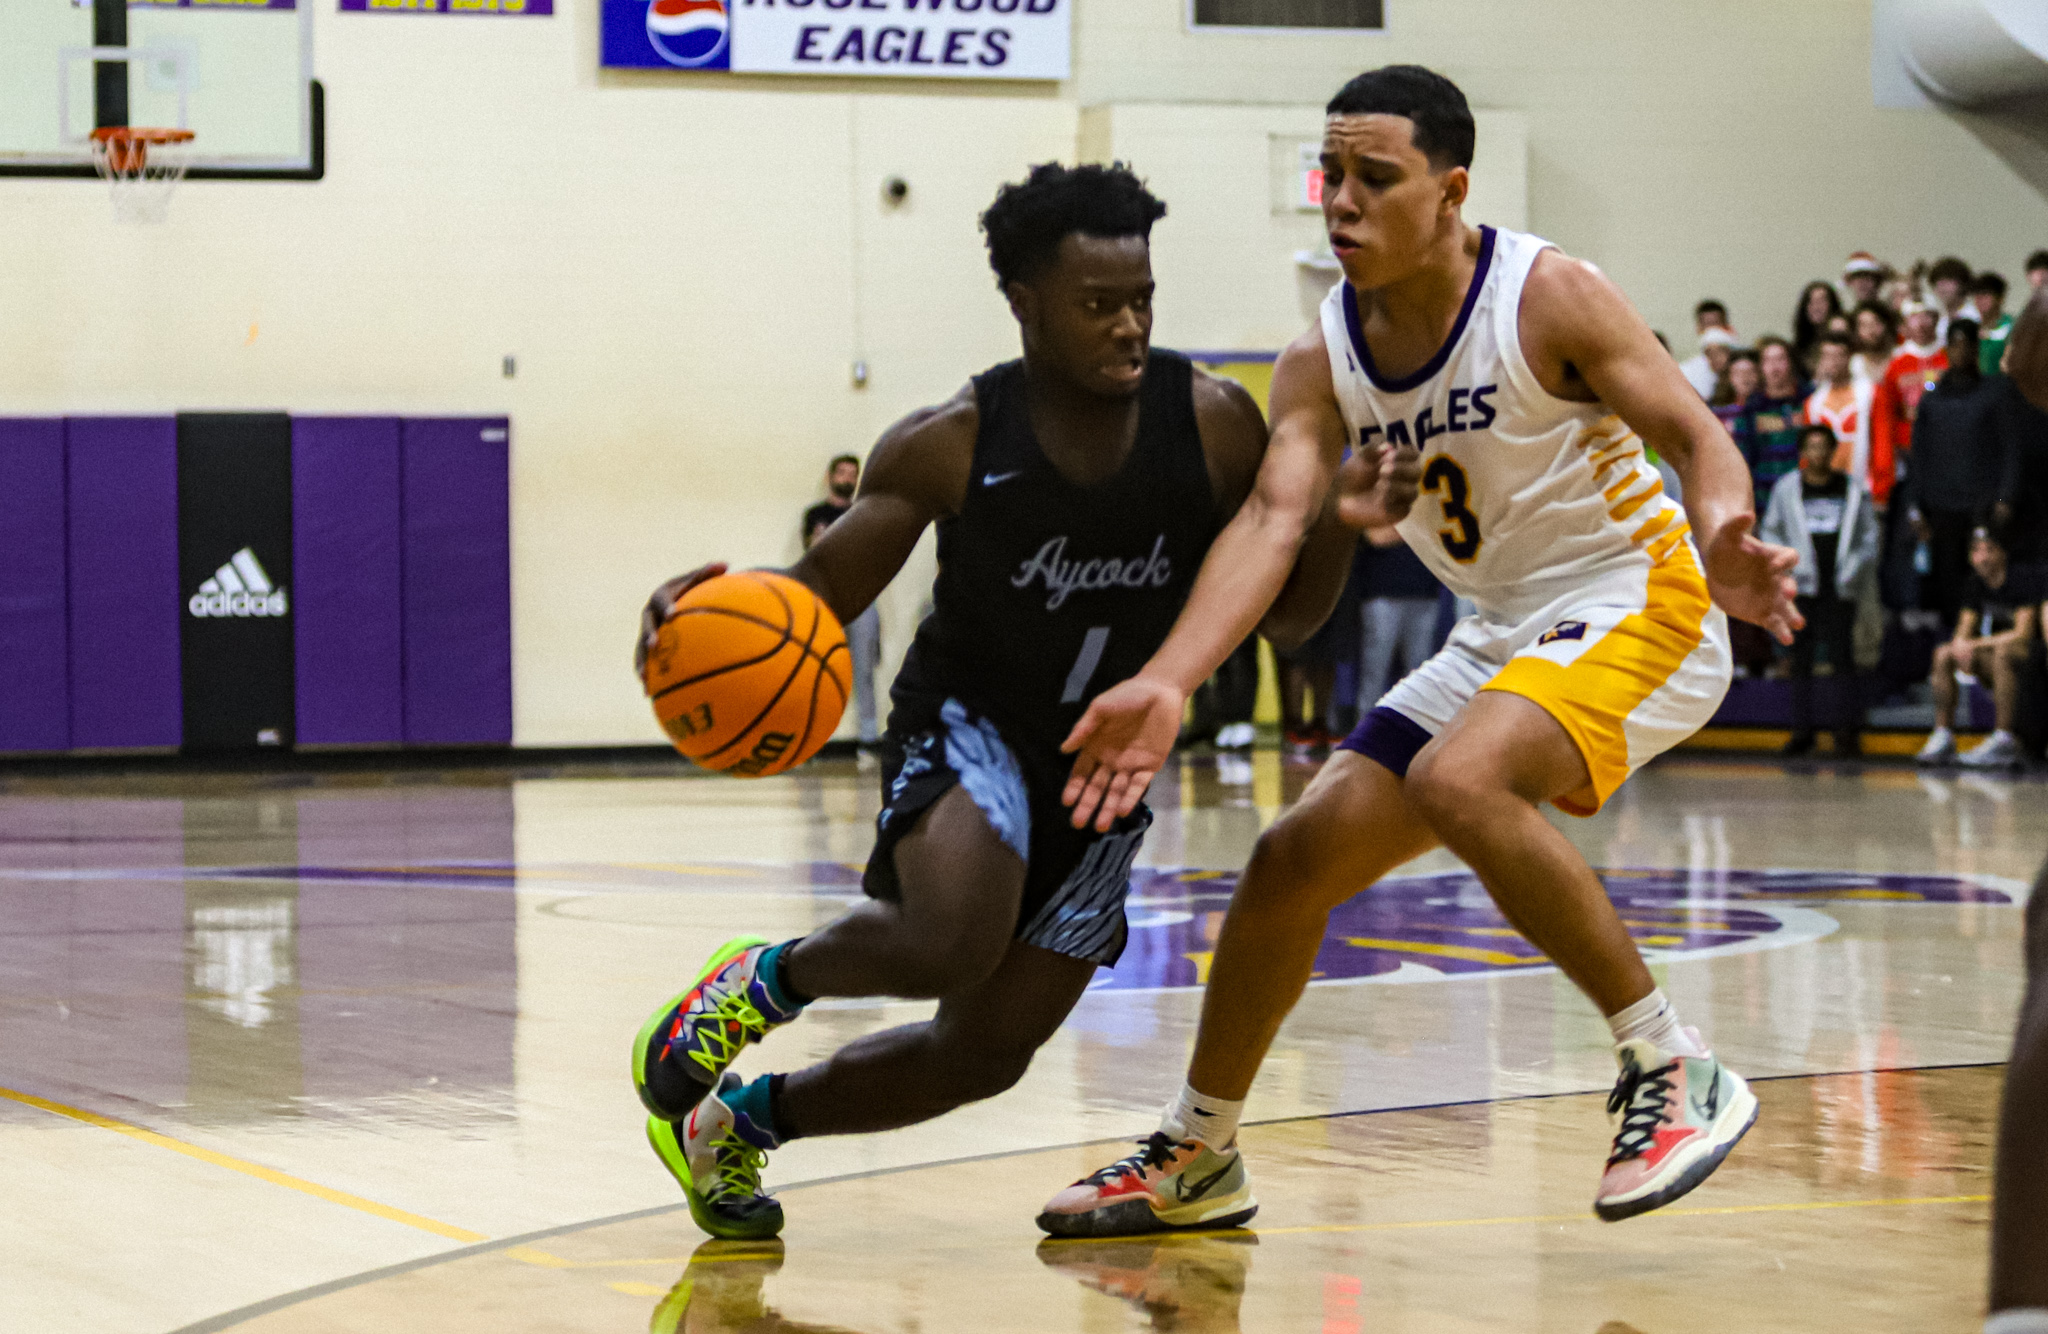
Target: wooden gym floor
287 1055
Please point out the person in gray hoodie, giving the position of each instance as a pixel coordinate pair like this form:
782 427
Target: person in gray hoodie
1829 518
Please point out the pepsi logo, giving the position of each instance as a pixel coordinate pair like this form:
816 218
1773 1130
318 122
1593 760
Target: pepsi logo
689 33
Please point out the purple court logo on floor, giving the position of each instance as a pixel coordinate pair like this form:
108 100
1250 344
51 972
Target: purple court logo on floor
1436 927
1423 928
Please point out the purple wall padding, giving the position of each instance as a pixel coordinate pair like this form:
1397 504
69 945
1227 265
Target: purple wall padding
458 581
122 502
347 602
35 690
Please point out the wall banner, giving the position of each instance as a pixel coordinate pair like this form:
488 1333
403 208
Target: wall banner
920 39
512 8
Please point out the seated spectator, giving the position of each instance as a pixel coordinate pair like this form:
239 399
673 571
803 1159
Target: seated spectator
1948 280
1995 633
1841 402
1994 326
1397 609
1918 362
1874 336
1953 471
1818 304
1773 417
1828 518
2037 269
1862 275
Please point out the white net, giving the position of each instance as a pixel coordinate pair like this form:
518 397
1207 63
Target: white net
141 169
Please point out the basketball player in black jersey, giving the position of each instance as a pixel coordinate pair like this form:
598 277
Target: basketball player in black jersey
1076 492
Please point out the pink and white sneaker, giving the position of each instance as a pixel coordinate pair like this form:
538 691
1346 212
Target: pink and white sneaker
1166 1186
1676 1119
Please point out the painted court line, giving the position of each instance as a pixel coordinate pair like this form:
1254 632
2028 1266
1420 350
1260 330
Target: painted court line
246 1168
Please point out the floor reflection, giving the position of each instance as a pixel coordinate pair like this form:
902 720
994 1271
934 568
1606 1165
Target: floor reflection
1187 1284
721 1292
237 990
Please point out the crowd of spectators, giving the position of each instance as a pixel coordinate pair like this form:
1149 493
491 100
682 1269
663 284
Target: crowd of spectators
1890 452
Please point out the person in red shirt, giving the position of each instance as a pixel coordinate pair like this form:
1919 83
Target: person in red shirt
1919 362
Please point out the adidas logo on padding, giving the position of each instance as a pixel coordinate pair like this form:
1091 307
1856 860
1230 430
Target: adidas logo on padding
239 588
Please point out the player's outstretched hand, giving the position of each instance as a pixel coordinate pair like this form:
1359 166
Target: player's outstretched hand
1752 580
1377 487
660 604
1123 739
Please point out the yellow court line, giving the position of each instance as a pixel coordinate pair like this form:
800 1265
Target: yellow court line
261 1173
1465 952
528 1255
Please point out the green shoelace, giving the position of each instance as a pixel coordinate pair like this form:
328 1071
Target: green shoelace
716 1045
739 1167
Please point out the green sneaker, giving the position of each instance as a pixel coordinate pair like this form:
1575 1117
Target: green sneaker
1165 1186
718 1168
685 1046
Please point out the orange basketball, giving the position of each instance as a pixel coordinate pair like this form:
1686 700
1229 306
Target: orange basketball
749 675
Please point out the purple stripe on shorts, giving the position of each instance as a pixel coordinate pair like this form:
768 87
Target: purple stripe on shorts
1387 738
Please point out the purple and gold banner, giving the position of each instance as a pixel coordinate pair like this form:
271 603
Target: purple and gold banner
513 8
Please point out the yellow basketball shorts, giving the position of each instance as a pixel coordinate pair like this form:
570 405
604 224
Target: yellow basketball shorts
1630 664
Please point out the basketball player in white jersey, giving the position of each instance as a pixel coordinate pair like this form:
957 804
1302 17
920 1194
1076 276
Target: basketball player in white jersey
1530 386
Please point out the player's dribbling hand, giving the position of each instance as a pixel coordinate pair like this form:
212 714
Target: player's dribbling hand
1123 739
660 604
1376 488
1752 580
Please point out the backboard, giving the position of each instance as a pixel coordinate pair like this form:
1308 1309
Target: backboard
237 73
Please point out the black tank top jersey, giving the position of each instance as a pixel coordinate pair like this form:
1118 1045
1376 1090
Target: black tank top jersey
1049 593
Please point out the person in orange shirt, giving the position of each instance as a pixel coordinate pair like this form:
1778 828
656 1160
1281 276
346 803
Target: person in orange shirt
1919 362
1841 403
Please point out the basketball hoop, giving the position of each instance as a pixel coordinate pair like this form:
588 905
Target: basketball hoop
141 167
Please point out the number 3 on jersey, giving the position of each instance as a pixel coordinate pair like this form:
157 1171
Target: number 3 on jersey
1460 532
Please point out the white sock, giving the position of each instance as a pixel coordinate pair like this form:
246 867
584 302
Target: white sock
1195 1115
2018 1320
1654 1018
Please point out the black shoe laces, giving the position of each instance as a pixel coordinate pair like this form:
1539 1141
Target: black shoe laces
1157 1151
1641 1096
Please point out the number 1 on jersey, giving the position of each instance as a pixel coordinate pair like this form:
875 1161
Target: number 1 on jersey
1444 476
1085 663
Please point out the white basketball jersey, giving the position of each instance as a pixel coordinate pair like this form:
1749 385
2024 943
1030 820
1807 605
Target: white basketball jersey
1525 496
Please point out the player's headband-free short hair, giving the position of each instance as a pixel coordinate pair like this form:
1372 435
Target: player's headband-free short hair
833 466
1442 119
1710 307
1030 218
1825 432
1988 283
